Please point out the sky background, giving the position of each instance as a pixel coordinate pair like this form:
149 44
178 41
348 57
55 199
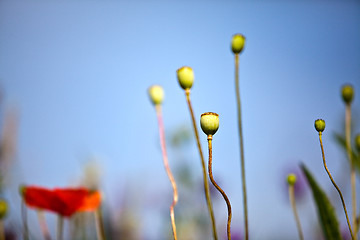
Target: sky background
78 72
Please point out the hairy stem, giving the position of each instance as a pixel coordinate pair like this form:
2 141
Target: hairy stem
218 187
296 215
206 182
337 188
167 168
242 158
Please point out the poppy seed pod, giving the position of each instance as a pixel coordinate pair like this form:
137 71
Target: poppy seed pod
347 93
291 179
237 43
185 76
156 94
3 208
209 123
319 125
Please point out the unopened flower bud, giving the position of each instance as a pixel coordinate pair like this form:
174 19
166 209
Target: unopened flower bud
209 123
347 93
185 76
3 208
156 94
237 43
291 179
319 125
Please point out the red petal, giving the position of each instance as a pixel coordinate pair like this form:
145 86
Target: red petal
91 202
65 201
40 198
72 199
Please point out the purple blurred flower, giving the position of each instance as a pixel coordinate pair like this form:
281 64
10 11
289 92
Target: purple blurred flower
235 235
345 233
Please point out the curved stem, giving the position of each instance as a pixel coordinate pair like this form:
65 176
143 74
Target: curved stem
218 187
337 188
206 182
352 166
167 168
293 205
242 158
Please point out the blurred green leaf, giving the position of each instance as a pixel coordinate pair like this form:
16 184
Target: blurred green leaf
328 220
340 140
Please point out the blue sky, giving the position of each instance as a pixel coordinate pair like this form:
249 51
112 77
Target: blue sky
78 73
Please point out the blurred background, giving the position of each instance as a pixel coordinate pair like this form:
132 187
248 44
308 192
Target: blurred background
75 110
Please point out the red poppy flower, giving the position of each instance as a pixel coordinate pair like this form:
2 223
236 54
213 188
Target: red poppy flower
64 201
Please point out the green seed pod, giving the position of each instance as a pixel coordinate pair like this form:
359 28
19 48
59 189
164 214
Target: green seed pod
291 179
185 76
3 208
237 43
347 93
156 94
357 142
319 125
209 123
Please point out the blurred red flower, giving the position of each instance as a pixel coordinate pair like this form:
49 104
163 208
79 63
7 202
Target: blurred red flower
63 201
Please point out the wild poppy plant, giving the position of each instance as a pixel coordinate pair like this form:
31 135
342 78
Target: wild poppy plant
63 201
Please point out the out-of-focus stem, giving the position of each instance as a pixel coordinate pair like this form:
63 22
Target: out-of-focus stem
337 188
24 220
352 166
2 230
218 187
296 215
242 158
43 225
100 230
60 226
206 182
167 168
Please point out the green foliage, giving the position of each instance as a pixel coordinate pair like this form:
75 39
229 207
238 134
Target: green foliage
328 220
340 140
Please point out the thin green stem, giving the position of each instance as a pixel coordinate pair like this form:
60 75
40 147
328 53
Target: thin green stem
167 168
337 188
218 187
100 230
206 182
296 215
352 166
60 226
242 158
43 226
